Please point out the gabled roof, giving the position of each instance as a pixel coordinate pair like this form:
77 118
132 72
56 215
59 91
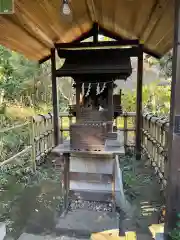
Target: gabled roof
114 63
37 24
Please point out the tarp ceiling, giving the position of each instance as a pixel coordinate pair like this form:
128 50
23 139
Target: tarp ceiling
37 25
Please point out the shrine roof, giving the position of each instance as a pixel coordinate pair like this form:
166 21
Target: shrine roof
114 63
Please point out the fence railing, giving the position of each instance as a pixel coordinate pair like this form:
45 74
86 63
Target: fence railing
155 143
15 143
126 123
40 129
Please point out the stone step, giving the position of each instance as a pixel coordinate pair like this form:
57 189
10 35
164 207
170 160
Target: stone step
28 236
91 187
91 164
112 143
90 196
81 223
91 177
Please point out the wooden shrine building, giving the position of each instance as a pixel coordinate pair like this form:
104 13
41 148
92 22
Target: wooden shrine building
37 29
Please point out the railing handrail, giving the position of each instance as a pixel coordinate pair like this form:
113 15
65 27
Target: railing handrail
154 137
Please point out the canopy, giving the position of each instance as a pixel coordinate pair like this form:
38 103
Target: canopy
37 24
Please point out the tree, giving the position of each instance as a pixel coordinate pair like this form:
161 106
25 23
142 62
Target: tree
156 99
164 64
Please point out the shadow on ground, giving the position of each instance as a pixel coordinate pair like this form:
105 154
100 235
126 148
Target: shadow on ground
31 207
142 190
34 207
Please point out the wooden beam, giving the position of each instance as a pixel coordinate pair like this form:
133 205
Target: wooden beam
55 99
158 10
116 37
110 100
139 103
91 10
84 36
173 164
95 33
44 59
86 45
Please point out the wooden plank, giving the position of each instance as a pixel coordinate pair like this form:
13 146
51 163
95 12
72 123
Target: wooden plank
42 25
173 166
156 228
139 103
114 235
55 99
65 148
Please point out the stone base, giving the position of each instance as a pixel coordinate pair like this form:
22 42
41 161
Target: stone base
2 230
81 223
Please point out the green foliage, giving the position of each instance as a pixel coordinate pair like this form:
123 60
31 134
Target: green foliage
164 64
13 141
156 99
14 70
175 233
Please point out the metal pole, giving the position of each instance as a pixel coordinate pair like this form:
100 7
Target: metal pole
55 99
173 167
139 103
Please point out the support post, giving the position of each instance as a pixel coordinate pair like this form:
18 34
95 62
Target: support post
95 33
55 98
110 100
173 183
78 108
139 103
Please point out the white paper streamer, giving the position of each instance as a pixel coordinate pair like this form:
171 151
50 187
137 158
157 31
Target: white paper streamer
88 91
83 89
98 91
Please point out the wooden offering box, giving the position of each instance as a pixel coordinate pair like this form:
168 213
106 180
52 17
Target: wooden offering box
87 115
89 136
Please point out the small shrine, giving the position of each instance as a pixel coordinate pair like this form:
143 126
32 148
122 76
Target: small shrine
91 155
94 115
94 73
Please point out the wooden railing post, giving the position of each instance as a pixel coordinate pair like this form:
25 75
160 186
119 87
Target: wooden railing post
32 142
153 144
55 99
139 103
125 129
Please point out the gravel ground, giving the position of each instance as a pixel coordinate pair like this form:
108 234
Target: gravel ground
90 205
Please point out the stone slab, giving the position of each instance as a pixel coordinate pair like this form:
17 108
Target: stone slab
90 164
92 187
82 222
109 150
26 236
89 196
159 236
2 230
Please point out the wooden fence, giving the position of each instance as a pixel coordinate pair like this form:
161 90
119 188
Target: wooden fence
155 143
154 138
12 146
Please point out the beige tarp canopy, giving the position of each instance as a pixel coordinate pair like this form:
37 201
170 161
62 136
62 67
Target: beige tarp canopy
37 24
